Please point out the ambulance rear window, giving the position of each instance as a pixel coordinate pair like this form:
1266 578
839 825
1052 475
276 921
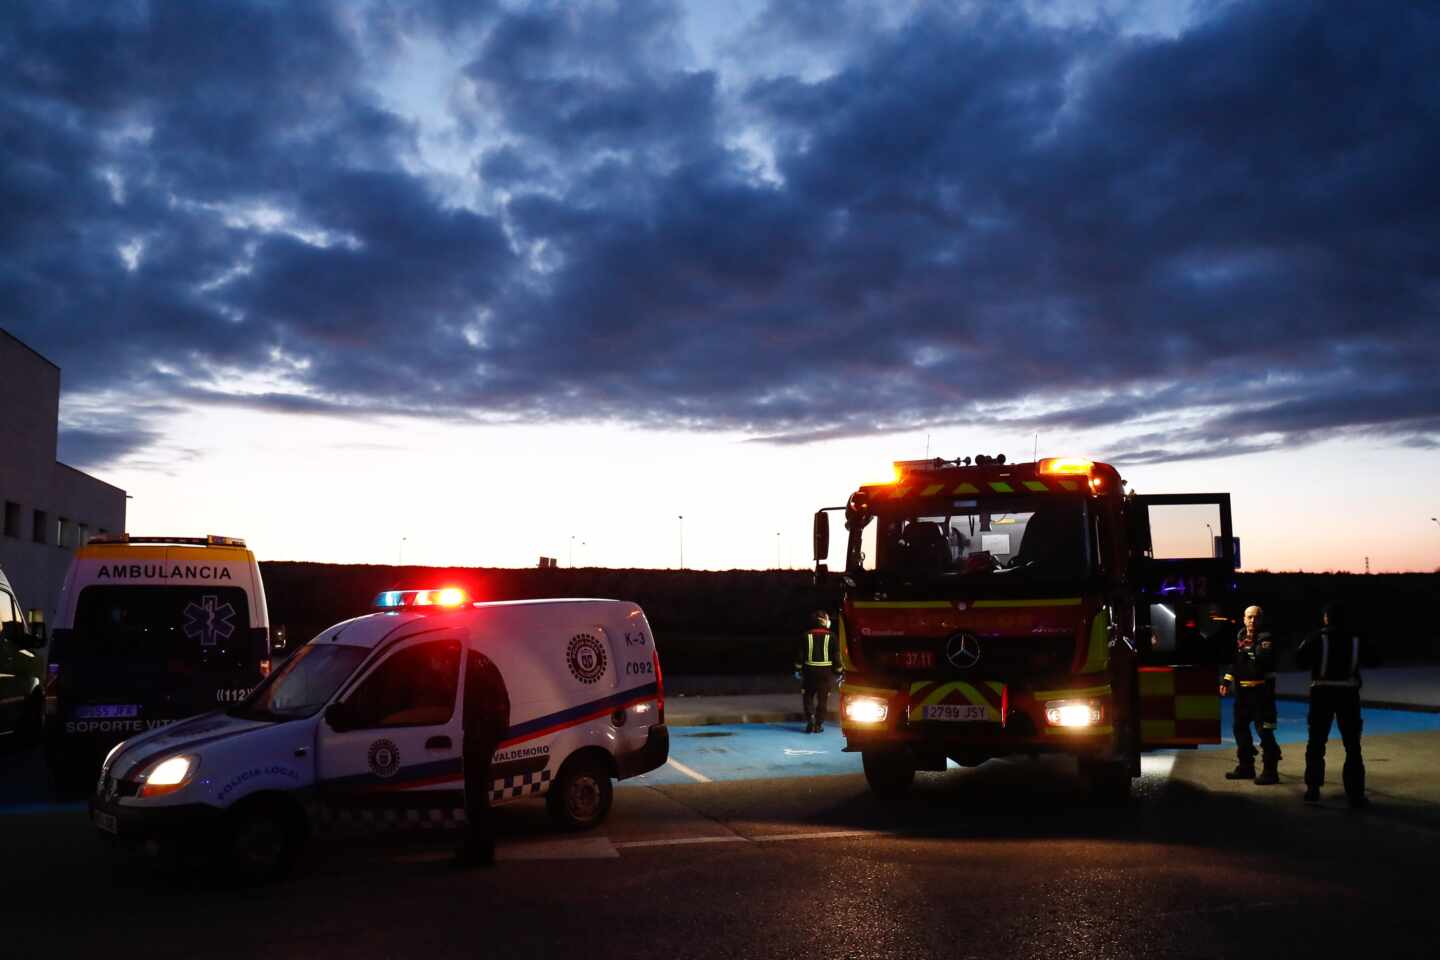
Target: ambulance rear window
182 629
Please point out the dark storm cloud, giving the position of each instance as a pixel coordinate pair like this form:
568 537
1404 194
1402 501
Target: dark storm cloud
1223 239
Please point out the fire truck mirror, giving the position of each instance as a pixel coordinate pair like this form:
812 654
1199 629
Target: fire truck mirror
822 538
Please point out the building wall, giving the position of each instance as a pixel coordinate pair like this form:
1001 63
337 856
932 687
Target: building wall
47 509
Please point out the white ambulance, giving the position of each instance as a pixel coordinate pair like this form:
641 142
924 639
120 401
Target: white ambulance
150 630
363 727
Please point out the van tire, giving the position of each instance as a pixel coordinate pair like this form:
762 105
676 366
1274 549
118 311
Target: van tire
260 841
580 797
890 773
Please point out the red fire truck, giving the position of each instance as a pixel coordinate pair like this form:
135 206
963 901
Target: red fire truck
993 609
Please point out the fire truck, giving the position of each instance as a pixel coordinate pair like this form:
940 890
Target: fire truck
992 609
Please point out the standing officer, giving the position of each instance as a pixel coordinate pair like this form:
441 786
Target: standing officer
1253 673
485 722
815 666
1335 656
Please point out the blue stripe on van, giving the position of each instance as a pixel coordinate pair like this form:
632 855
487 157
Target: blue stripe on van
577 713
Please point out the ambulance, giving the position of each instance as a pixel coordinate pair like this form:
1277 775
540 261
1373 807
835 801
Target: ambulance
361 729
150 630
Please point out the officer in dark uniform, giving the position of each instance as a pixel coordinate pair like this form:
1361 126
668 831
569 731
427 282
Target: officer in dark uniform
817 663
485 722
1335 655
1253 678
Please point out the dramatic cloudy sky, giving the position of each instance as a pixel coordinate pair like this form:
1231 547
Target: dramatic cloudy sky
481 280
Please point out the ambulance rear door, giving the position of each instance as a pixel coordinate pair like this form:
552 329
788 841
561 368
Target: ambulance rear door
1182 566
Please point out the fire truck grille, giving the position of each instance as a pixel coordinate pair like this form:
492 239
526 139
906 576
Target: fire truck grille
1000 657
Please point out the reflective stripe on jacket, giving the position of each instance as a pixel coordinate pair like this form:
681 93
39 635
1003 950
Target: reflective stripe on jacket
815 649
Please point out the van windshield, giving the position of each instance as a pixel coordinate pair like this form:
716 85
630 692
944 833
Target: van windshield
303 685
174 631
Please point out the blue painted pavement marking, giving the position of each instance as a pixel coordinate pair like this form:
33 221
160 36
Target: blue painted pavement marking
752 751
1292 727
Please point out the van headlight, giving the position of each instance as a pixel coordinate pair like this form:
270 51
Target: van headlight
866 709
1073 713
168 774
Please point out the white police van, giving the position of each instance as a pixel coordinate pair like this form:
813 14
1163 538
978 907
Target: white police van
362 727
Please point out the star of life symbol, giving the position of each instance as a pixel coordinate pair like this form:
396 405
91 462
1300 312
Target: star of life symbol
209 621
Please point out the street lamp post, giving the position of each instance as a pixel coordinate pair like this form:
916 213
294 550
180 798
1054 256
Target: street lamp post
1213 551
681 518
402 553
777 549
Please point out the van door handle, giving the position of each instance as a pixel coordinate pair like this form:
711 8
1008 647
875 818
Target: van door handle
438 743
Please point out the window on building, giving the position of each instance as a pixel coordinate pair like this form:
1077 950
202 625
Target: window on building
84 537
12 519
41 529
62 532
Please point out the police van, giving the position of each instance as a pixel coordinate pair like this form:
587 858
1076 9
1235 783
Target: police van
362 729
22 663
150 630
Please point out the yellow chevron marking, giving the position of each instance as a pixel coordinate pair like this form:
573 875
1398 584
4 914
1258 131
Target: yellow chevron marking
1097 658
1153 684
1203 706
966 488
1080 693
933 489
1036 486
1000 486
1069 485
1157 729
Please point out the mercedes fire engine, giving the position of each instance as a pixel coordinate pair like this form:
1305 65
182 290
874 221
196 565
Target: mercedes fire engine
993 609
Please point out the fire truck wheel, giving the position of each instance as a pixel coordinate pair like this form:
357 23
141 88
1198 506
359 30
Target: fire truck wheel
1108 781
889 772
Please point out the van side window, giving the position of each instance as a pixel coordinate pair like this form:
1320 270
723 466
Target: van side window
413 688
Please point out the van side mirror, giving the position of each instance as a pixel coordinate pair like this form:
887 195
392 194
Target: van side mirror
13 631
341 717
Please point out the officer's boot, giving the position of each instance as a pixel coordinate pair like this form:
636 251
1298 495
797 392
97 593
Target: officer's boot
1242 771
1269 774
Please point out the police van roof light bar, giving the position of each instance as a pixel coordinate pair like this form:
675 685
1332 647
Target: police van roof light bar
448 597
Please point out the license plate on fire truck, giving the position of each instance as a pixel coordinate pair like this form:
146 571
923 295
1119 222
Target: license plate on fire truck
955 711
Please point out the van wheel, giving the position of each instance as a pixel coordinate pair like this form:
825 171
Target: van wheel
261 843
580 797
890 773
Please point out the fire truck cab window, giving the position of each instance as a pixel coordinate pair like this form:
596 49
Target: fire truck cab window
1014 539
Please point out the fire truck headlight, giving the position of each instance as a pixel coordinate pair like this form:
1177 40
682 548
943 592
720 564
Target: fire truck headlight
1073 713
866 709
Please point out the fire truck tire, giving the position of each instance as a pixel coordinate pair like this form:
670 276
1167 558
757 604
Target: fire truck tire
1108 781
889 772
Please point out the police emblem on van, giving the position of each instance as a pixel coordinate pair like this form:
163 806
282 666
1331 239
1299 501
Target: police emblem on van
384 758
586 657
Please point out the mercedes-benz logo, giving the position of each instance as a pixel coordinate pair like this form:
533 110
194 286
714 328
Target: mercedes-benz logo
962 650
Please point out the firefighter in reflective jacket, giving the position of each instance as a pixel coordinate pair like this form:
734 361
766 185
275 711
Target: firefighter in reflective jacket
1252 676
816 665
1335 656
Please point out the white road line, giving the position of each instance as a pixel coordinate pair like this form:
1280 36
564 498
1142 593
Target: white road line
687 841
829 835
679 841
692 774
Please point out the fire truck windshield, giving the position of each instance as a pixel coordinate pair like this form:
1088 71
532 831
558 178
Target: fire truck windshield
1017 539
